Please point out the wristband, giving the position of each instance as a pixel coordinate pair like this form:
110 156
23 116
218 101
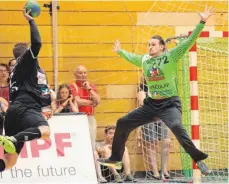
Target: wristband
202 22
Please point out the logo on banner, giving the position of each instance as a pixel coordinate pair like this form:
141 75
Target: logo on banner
61 142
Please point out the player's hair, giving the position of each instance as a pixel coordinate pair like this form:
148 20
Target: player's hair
5 65
19 49
111 127
161 41
61 87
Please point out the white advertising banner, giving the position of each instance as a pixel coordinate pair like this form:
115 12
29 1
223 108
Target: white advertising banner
64 158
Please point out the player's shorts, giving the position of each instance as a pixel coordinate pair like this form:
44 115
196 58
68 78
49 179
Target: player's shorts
153 131
18 118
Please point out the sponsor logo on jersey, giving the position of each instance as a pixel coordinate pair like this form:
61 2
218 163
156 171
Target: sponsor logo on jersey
159 86
155 73
160 94
156 95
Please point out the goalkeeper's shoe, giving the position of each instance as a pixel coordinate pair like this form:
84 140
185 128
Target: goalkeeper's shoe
203 168
110 163
8 144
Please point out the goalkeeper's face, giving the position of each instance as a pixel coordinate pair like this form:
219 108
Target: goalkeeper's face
155 47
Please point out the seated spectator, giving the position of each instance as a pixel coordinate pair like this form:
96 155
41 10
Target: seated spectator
11 64
104 150
64 101
4 84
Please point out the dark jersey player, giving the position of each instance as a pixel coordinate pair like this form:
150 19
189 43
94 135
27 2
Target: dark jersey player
29 93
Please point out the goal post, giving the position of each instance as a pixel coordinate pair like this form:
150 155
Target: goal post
208 80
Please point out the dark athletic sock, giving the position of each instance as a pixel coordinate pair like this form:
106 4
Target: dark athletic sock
28 135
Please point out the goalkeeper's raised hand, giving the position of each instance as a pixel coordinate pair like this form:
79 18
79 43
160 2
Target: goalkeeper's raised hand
207 13
117 46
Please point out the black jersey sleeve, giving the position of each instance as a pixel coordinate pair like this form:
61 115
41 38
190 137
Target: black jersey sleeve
27 64
35 39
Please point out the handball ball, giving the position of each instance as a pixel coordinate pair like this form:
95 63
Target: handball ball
34 7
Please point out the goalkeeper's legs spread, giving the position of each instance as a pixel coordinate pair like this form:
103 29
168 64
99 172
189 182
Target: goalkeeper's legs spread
171 116
125 125
169 111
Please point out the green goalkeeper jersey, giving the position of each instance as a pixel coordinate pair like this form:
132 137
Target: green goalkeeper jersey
161 72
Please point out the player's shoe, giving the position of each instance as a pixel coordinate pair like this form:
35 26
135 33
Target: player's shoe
8 144
110 163
203 168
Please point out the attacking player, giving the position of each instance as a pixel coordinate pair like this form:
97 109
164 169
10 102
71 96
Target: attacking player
163 102
29 93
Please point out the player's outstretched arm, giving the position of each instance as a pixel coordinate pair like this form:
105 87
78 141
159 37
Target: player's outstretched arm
180 50
34 35
132 58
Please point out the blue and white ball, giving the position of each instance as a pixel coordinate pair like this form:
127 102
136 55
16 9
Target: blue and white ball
34 7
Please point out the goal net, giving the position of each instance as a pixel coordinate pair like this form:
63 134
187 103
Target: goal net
212 63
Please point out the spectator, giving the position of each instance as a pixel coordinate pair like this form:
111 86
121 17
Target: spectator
3 107
151 134
64 101
4 84
104 150
11 64
87 98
